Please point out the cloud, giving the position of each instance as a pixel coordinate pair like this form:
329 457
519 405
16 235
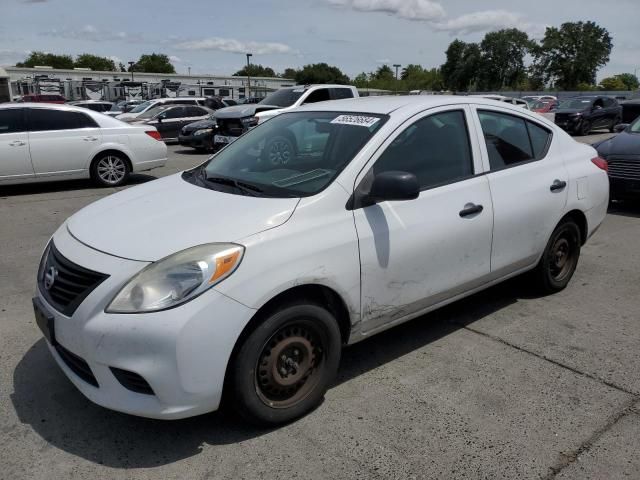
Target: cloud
235 46
175 59
486 21
424 10
383 61
92 34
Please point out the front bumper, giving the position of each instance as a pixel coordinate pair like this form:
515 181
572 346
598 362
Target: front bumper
182 353
195 141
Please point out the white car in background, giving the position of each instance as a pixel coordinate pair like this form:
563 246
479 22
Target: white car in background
502 98
250 272
46 142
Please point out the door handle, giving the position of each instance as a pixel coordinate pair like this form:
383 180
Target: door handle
17 143
471 209
558 186
90 139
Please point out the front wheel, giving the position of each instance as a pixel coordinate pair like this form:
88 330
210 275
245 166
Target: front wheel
284 367
585 128
615 122
560 258
110 169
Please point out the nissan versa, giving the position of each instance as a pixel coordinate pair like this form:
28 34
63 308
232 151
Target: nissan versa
245 276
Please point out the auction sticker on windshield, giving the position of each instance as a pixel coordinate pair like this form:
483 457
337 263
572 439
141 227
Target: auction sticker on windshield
360 120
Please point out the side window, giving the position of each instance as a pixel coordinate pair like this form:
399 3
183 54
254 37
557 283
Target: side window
12 120
609 102
435 149
177 112
340 93
507 139
41 119
195 112
320 95
540 140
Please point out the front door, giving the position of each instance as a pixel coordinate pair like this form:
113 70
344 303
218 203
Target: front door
415 254
15 161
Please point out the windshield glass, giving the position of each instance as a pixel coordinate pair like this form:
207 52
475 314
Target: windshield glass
152 112
283 98
141 107
576 103
635 126
292 155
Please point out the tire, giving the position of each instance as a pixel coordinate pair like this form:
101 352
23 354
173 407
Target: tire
585 128
560 258
110 169
615 122
278 151
283 368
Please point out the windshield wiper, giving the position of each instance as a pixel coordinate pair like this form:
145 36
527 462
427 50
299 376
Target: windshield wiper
247 188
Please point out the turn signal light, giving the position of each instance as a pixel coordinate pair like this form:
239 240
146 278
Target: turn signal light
154 134
601 163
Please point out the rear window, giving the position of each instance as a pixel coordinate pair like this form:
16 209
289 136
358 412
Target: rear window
46 120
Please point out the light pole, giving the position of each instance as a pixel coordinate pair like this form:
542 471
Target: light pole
248 95
397 65
131 64
189 70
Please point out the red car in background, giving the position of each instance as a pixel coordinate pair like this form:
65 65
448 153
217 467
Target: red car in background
44 98
544 106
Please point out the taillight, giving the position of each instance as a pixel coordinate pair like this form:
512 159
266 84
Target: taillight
154 134
601 163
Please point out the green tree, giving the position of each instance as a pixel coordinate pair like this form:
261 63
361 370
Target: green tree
361 80
460 71
572 54
502 59
630 81
255 70
122 67
416 77
289 73
153 63
384 74
94 62
320 73
47 60
612 83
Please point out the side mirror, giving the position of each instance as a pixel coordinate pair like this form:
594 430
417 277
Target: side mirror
621 127
159 119
394 186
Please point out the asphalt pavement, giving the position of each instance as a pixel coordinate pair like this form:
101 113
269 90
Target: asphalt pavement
504 384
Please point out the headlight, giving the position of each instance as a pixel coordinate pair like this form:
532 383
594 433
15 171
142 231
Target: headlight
177 278
250 122
205 131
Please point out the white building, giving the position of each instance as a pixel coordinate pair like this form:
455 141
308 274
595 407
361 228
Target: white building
77 84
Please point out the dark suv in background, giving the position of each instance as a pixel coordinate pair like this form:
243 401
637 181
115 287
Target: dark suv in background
580 115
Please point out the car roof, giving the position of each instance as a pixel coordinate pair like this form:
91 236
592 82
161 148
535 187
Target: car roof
52 106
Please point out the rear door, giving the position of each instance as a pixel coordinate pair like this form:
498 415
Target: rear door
169 122
528 182
61 142
15 161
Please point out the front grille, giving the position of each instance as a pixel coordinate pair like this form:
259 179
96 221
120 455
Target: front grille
627 168
132 381
64 284
230 126
77 365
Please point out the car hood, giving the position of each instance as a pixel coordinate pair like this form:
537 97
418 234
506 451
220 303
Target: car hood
200 124
241 111
165 216
623 144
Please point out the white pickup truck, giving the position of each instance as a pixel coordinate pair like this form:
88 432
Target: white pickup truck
234 121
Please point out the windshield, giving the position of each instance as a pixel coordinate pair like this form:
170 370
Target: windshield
292 155
152 112
635 126
576 103
141 107
283 98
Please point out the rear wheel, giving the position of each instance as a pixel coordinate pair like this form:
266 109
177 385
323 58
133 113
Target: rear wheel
284 367
560 258
110 169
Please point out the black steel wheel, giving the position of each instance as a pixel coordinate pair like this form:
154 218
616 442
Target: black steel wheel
560 258
285 365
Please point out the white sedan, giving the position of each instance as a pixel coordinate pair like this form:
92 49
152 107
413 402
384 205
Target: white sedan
317 229
43 142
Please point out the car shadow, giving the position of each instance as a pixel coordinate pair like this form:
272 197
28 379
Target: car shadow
44 399
192 151
626 208
65 185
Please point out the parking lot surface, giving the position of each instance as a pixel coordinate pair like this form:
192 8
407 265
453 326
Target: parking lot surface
504 384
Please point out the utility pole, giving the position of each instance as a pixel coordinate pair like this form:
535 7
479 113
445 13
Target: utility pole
248 94
131 64
397 65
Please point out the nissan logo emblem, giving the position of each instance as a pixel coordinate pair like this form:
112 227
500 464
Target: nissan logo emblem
50 277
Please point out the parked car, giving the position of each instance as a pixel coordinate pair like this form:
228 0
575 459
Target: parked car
199 135
143 107
234 121
95 105
169 119
216 103
501 98
40 143
630 110
247 274
43 98
544 106
123 106
622 153
580 115
539 98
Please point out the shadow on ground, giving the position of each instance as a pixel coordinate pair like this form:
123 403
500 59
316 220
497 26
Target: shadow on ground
626 208
44 399
66 185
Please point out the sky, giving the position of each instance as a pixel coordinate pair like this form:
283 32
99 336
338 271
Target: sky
212 36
